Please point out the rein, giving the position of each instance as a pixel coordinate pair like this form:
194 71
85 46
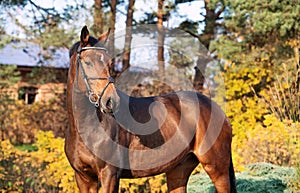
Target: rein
93 97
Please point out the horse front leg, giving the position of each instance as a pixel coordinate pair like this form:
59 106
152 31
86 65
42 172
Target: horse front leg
109 180
86 184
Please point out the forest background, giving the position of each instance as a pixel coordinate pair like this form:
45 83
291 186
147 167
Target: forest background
255 46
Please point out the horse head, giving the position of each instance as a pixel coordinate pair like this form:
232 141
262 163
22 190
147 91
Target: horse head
93 71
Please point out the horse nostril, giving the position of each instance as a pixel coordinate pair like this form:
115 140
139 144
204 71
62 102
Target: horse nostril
109 104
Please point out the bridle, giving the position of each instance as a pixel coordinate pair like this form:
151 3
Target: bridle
93 97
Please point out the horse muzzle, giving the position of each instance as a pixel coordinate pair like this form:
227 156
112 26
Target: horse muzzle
110 105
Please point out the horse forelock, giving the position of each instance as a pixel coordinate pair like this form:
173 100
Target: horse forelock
91 42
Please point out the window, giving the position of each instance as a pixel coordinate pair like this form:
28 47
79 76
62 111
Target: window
27 94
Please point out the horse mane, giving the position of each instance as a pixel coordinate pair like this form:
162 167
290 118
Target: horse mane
92 42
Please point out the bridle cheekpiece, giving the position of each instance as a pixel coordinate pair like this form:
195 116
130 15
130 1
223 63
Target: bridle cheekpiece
94 98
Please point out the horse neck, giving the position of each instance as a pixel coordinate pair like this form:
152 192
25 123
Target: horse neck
70 82
123 96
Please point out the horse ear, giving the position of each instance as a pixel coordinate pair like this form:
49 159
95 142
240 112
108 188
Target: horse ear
104 37
84 36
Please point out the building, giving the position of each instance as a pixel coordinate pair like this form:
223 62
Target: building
33 64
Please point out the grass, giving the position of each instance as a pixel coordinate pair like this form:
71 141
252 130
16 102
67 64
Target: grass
26 147
257 178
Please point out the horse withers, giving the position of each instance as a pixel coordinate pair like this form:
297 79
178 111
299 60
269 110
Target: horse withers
113 136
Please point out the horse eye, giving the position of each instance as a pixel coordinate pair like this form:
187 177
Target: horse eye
89 63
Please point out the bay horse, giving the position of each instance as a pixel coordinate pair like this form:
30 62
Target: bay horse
112 135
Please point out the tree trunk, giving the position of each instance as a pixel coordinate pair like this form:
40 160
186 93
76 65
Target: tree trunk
205 39
111 42
98 18
128 36
112 23
161 36
210 25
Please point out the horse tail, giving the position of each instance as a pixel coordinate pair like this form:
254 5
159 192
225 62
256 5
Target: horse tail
232 177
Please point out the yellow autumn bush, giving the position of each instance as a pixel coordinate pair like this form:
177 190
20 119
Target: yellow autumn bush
58 172
155 184
262 100
43 170
275 141
21 121
263 111
47 169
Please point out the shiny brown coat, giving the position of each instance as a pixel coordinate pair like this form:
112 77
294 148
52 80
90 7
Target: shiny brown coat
197 127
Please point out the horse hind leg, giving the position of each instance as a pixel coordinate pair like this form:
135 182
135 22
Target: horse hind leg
177 178
219 177
222 175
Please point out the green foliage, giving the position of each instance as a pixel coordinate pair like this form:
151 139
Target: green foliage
261 177
189 26
258 30
181 52
258 177
55 36
264 17
4 39
26 147
200 183
8 76
47 26
10 3
44 74
260 62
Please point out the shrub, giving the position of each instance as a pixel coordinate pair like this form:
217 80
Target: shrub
18 171
258 177
43 170
21 122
